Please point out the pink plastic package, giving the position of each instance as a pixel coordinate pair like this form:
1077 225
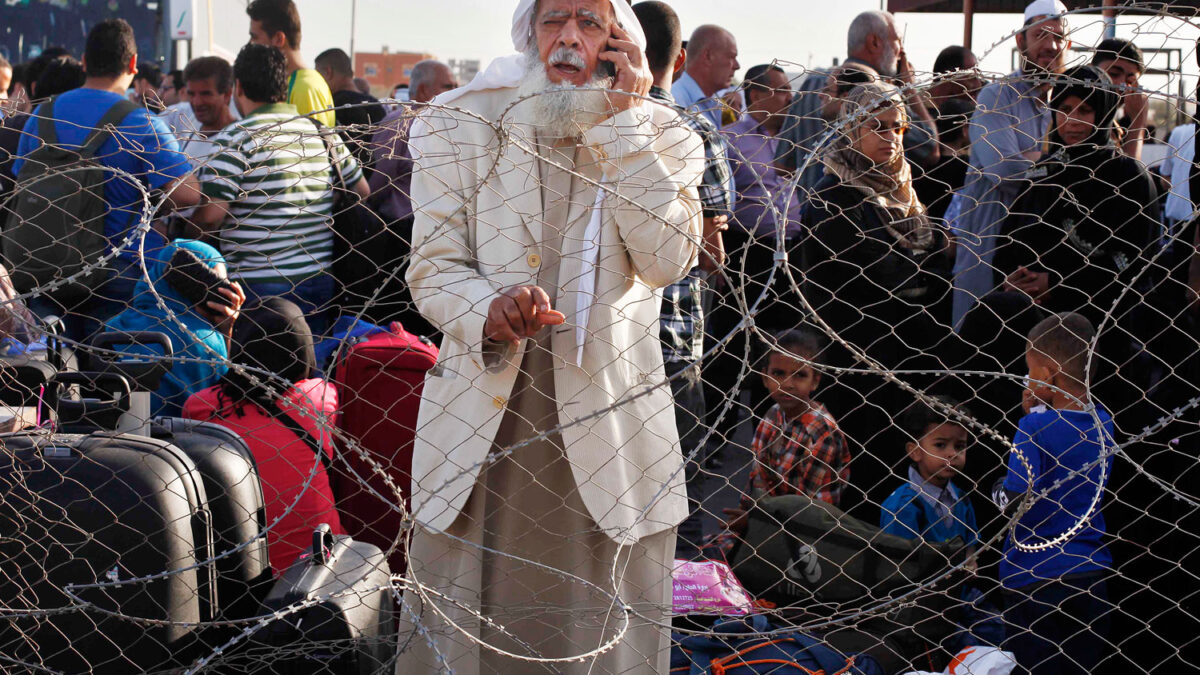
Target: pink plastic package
708 587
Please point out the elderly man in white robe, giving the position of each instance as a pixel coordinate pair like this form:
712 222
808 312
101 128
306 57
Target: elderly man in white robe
553 200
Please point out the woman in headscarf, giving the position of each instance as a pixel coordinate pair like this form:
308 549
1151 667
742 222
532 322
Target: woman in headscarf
283 417
1076 236
190 279
874 264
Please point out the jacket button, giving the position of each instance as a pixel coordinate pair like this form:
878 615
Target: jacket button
499 402
534 260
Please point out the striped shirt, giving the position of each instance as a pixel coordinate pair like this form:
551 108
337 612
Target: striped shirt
273 171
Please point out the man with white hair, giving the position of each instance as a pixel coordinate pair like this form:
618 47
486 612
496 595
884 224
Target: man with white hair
873 41
547 478
1007 131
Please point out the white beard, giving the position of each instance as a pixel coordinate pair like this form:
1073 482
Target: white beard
562 110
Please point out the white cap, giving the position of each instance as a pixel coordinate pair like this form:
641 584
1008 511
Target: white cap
1044 8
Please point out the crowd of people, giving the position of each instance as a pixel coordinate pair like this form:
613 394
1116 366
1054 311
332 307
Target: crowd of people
935 227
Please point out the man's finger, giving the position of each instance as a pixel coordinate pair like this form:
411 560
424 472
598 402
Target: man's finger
516 320
541 299
549 317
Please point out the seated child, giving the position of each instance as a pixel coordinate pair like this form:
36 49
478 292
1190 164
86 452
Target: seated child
930 505
188 278
797 447
273 337
1055 561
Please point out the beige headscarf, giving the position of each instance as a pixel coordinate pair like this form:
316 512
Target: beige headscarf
888 185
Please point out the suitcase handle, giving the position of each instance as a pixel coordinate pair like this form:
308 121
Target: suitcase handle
145 375
322 545
102 413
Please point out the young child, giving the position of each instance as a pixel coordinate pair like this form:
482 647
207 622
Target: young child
930 505
798 448
1056 595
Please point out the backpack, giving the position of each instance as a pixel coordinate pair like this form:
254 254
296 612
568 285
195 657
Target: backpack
55 225
799 550
747 646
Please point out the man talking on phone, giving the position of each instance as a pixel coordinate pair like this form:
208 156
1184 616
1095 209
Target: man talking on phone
552 203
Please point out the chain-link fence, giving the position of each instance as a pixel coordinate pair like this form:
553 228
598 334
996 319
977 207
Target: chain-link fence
877 378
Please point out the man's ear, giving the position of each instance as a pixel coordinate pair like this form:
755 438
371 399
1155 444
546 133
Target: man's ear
131 68
1021 42
680 61
279 40
913 450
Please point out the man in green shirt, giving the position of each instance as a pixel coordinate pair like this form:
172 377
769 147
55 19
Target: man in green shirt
270 191
276 23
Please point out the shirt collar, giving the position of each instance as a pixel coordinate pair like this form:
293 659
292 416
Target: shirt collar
661 94
942 499
274 108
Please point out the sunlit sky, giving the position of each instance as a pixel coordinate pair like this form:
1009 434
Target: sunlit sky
808 33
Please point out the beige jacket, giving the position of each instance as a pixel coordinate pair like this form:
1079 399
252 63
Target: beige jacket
477 209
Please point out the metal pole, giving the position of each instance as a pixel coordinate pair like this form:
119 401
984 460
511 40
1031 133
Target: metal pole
968 22
210 28
1110 19
353 21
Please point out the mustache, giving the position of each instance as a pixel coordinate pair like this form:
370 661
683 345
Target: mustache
568 57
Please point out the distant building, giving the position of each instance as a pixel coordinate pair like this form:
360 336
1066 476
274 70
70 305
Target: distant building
386 69
464 70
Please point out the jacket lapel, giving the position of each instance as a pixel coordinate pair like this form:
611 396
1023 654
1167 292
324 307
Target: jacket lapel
518 173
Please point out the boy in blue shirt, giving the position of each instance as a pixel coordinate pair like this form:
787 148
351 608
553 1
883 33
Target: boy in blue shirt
930 505
1055 561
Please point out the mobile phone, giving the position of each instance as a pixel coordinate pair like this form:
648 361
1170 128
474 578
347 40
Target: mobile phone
608 68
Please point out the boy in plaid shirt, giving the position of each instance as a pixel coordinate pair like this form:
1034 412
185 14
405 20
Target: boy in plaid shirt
798 448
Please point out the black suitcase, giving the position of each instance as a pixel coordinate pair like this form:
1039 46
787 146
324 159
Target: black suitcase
350 629
239 515
90 512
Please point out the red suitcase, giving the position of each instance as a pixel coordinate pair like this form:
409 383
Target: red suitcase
379 381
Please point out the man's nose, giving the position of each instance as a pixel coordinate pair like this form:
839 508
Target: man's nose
569 36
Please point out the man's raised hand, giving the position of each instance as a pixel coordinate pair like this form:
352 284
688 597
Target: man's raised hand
519 312
633 75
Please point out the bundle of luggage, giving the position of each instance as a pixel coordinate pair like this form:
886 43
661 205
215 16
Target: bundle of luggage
137 544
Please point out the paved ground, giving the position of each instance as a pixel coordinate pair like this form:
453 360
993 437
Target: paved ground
720 487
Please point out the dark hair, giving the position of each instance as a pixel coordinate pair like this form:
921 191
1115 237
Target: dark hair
664 37
1116 48
758 78
62 75
953 117
110 48
803 342
18 77
951 58
1066 339
149 72
212 68
336 60
262 72
851 76
919 416
176 77
277 16
34 69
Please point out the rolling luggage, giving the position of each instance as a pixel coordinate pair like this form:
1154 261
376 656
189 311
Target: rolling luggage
350 629
379 381
90 511
239 515
225 463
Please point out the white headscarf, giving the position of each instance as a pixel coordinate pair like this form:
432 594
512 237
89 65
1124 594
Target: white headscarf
507 71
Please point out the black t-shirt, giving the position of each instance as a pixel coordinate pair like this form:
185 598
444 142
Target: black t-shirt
365 113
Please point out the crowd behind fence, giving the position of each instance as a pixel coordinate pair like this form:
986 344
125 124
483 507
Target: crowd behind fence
927 343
